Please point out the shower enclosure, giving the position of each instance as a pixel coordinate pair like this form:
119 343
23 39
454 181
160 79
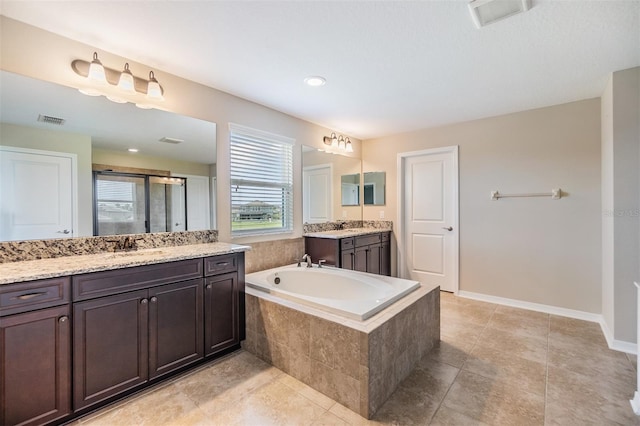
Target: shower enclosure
129 203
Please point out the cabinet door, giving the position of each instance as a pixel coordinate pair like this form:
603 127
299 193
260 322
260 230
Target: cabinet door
360 259
221 329
175 326
347 259
110 346
35 360
373 258
385 259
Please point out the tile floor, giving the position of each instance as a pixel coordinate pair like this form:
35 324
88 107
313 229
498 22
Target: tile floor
495 365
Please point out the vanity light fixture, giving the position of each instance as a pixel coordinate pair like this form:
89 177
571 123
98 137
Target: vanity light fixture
339 143
132 150
118 86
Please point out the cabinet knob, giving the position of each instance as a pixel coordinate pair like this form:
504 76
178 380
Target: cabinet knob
63 319
143 301
154 299
208 287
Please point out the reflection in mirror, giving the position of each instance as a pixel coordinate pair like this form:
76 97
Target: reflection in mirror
374 188
321 192
350 189
123 206
48 122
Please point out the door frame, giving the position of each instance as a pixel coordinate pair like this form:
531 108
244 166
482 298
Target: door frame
402 271
74 178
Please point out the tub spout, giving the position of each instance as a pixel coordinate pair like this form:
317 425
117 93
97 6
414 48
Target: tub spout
307 258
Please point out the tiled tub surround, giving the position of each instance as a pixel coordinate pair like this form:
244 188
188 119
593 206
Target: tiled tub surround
17 251
29 270
271 254
357 363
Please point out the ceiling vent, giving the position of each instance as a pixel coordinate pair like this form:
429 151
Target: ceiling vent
51 120
485 12
171 140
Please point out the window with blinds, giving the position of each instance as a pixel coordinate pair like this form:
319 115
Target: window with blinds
261 182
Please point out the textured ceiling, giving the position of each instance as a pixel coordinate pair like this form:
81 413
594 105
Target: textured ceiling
390 66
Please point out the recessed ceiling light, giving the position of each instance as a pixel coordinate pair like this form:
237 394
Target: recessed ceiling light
132 150
315 81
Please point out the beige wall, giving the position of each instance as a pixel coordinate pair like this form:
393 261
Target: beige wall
530 249
39 54
621 202
59 141
116 158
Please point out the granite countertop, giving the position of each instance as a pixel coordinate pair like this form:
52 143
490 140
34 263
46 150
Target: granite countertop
343 233
14 272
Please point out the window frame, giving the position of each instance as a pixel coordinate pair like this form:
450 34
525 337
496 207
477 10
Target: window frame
250 135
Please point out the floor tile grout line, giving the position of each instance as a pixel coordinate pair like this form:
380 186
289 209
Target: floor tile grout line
462 367
444 396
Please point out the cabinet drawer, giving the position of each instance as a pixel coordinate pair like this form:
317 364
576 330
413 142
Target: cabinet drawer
365 240
32 295
346 243
220 264
99 284
386 236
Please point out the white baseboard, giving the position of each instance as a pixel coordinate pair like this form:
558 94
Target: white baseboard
617 345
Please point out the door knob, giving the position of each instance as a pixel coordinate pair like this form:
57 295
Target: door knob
448 228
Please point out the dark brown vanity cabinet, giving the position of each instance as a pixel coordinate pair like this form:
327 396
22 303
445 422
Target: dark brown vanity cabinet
366 253
69 345
35 352
124 339
224 302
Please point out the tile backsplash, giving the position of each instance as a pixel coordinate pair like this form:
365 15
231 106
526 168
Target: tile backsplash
16 251
346 224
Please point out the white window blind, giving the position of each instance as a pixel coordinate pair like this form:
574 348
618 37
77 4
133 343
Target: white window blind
261 182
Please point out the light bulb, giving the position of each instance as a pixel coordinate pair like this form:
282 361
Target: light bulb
154 91
349 146
341 143
334 140
96 71
125 83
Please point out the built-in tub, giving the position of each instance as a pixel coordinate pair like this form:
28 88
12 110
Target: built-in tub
358 363
353 295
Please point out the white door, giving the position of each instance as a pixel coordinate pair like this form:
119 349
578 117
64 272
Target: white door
350 193
178 217
429 185
198 205
36 194
316 194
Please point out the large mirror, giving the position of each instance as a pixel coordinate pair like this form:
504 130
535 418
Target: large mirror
374 188
70 135
322 176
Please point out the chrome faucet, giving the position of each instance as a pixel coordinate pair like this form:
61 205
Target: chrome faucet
307 258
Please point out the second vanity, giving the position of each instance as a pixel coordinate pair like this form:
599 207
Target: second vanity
359 249
79 332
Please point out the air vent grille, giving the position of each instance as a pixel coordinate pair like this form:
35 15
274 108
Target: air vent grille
51 120
171 140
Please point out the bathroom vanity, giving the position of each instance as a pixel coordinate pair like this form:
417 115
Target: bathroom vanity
87 330
358 249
